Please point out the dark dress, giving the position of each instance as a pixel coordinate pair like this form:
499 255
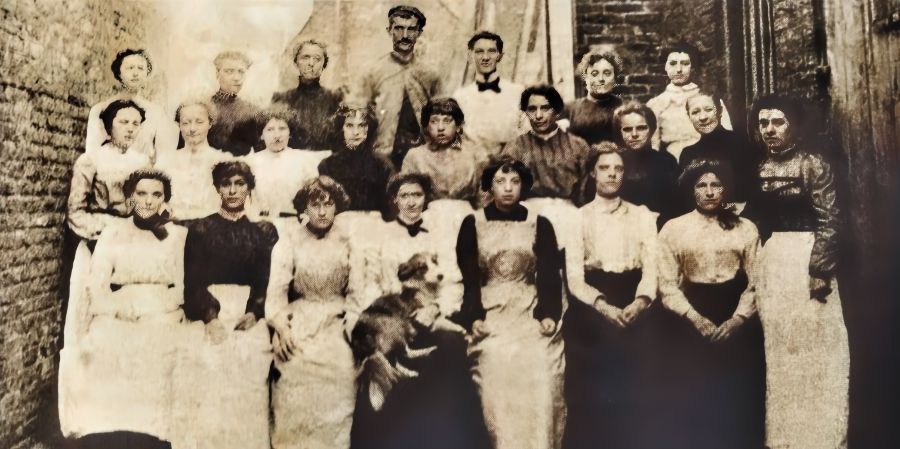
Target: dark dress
237 129
591 118
730 148
651 179
313 106
362 174
222 386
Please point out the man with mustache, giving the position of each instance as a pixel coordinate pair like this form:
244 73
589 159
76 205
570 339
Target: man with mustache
489 100
452 162
557 158
399 86
235 131
312 104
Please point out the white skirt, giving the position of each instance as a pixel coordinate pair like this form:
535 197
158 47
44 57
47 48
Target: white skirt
314 398
807 352
221 391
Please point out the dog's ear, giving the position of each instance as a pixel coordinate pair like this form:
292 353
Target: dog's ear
412 267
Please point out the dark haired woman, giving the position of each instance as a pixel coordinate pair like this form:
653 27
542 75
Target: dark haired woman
121 394
707 278
590 117
222 375
314 395
190 167
132 68
512 306
96 201
353 163
612 270
807 349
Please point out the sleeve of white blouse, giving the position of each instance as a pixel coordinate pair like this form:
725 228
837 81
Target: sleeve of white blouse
669 275
280 275
747 304
449 298
178 289
100 301
575 267
649 257
360 288
85 224
725 119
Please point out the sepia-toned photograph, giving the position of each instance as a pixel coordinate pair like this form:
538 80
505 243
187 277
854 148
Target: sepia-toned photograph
449 224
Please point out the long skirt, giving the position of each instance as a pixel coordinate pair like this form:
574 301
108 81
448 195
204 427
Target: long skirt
807 352
609 388
314 395
519 373
221 389
118 375
718 389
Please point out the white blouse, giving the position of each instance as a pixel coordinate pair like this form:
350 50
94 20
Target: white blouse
193 192
694 248
280 175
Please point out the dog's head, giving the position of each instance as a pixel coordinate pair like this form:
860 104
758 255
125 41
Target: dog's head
420 272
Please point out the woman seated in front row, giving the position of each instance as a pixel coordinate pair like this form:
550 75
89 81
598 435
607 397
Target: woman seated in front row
223 371
708 279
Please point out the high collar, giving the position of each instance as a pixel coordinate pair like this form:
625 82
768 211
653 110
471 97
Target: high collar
546 137
518 213
223 96
608 206
493 76
604 99
687 88
783 154
455 145
308 85
232 217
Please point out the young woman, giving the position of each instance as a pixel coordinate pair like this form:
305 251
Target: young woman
282 170
590 117
353 163
708 279
96 201
807 351
121 395
193 194
223 370
612 271
512 306
314 395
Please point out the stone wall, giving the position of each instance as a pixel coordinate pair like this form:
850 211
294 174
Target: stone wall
55 59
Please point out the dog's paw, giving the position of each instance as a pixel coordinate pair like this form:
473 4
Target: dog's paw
418 353
376 396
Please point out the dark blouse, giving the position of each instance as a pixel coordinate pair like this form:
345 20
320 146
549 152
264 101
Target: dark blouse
313 106
731 148
548 280
558 163
221 251
237 129
363 175
651 179
797 194
591 118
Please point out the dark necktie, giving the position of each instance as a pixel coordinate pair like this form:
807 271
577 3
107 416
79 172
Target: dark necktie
413 229
490 85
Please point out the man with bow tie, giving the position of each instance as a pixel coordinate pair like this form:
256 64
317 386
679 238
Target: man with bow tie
490 103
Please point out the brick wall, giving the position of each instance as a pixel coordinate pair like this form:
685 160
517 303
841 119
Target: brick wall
55 59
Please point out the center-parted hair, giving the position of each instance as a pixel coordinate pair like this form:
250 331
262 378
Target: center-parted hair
487 35
632 107
399 180
212 112
317 44
347 110
587 186
505 165
592 57
792 109
684 47
116 65
148 173
232 54
109 114
227 169
694 171
544 90
442 106
320 188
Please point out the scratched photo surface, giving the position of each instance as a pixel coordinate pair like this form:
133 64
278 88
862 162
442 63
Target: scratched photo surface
510 224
